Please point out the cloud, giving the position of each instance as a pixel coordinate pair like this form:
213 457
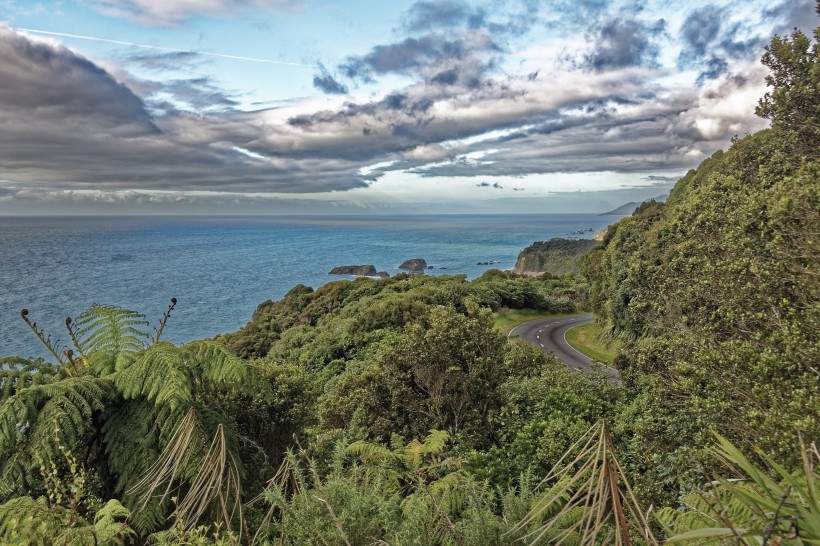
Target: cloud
791 14
70 124
446 43
326 83
469 107
443 14
170 13
624 42
198 94
714 44
170 60
701 28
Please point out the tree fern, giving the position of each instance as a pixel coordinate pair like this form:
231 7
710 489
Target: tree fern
105 334
161 375
18 373
29 417
122 400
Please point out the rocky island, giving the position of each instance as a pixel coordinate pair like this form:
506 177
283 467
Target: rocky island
414 265
359 271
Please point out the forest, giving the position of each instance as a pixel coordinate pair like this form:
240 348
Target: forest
395 412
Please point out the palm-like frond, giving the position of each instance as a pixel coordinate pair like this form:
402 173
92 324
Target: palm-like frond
755 509
147 408
28 420
210 471
590 500
160 374
219 368
18 373
24 520
104 334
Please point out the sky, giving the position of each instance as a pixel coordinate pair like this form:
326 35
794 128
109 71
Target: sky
364 106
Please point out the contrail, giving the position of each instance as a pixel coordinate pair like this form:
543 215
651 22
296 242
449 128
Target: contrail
146 46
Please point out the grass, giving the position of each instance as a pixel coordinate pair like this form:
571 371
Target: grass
508 319
589 339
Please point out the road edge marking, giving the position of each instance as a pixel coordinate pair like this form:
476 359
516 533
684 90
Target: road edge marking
585 356
510 333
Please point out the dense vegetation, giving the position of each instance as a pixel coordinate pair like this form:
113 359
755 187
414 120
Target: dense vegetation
393 412
556 256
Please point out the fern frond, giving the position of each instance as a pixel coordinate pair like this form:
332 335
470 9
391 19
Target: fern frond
18 373
104 331
370 451
159 374
211 472
24 520
53 347
131 434
219 367
436 441
65 403
594 483
110 525
163 322
29 417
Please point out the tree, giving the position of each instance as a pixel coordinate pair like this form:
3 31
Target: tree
793 104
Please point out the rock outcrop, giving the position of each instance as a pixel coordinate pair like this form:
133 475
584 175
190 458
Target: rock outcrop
414 265
359 270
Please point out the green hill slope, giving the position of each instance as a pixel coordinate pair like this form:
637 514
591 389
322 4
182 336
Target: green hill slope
717 291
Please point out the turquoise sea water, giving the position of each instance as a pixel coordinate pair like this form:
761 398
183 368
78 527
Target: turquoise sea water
221 268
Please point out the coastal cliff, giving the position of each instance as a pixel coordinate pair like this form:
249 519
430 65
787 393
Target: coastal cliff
556 256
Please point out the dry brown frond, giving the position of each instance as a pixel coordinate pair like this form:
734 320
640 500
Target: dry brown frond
590 500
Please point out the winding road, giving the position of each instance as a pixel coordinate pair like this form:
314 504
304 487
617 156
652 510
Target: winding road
549 336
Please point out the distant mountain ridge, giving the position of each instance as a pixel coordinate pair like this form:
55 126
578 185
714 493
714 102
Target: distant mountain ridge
628 208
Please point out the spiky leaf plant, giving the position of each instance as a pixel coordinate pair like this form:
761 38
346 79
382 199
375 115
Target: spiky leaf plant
143 413
757 506
588 500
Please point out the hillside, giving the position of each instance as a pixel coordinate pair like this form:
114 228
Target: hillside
628 208
556 256
716 292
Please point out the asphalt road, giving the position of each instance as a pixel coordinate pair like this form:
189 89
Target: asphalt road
549 336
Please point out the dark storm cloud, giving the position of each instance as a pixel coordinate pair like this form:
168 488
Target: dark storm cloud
69 123
443 42
325 82
791 14
624 42
416 53
701 28
714 46
443 13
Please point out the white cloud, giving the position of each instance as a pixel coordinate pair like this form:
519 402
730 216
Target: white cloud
174 12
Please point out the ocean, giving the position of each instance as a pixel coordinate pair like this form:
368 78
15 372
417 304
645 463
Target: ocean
221 268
